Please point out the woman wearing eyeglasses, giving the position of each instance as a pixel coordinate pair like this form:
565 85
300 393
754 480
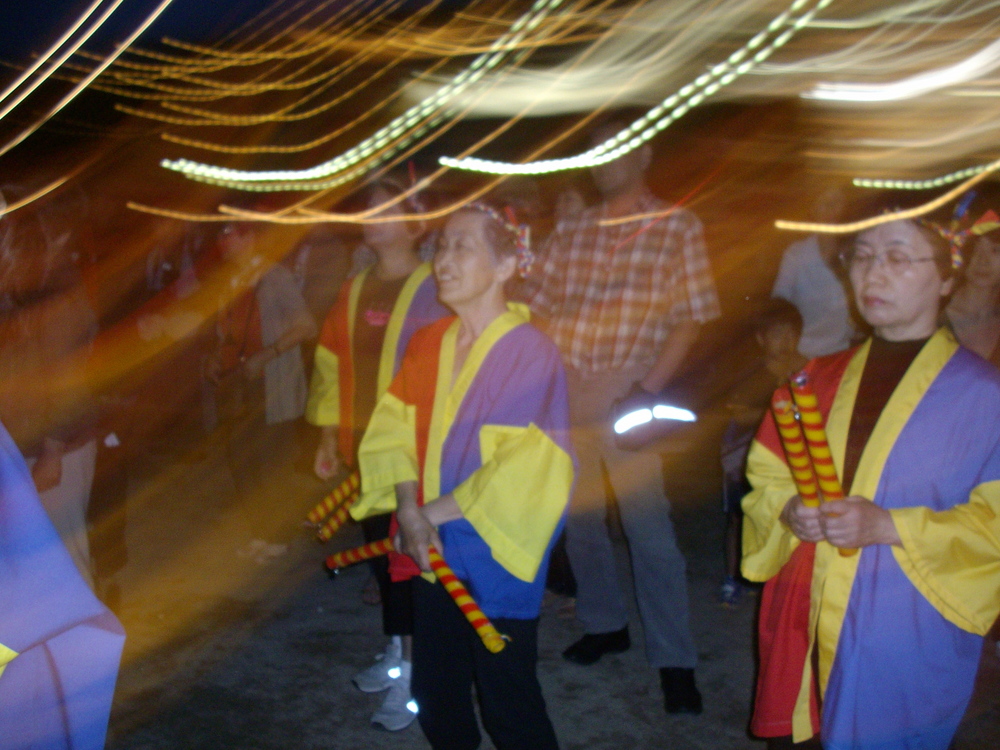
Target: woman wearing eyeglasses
895 631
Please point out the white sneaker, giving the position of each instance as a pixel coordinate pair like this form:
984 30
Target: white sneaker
398 709
383 673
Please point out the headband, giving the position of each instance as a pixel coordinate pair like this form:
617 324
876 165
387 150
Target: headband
520 232
955 236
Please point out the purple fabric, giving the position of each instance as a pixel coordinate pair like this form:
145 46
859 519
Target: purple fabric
521 382
57 692
424 310
903 675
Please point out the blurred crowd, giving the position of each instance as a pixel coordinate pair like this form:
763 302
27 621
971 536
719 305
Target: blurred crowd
278 353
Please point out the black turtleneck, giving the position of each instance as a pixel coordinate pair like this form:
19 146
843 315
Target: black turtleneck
887 363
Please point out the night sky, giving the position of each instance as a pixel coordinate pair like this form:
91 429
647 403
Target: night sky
27 26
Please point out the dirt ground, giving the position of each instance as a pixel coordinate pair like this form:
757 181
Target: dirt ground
235 646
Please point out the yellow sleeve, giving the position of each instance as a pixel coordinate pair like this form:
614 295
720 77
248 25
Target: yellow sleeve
323 405
516 498
953 557
767 543
6 657
387 456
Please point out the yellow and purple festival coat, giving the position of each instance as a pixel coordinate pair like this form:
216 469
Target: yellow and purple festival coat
59 646
497 439
331 392
896 631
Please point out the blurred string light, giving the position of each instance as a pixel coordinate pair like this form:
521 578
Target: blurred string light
928 184
76 90
985 61
669 110
399 132
126 73
910 213
51 51
368 112
199 85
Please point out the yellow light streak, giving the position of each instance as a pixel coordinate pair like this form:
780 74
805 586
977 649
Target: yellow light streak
50 52
910 213
86 82
62 58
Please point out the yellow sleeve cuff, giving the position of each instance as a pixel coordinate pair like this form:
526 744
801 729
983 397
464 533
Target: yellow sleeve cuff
387 456
323 404
515 500
767 543
953 557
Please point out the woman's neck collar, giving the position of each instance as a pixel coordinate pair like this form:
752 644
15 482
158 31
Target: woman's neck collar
477 317
395 263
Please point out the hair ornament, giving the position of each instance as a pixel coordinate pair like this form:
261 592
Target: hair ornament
520 232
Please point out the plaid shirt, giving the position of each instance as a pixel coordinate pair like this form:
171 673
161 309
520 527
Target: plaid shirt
613 294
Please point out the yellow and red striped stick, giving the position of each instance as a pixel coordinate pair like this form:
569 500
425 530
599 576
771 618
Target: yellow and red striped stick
492 639
794 443
356 555
328 504
817 443
338 519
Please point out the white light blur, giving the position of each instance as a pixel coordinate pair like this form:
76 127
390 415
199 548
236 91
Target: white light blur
412 706
633 419
985 61
395 672
661 411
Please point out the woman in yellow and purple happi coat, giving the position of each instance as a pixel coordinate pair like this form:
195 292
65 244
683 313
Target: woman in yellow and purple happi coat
913 421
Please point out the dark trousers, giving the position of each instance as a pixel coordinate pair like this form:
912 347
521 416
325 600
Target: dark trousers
449 658
397 600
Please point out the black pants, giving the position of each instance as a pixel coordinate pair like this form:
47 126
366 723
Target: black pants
449 657
397 599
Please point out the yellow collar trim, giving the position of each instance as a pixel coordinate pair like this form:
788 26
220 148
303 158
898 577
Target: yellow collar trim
448 398
833 575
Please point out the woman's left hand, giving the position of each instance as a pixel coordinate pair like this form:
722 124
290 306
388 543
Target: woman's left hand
857 522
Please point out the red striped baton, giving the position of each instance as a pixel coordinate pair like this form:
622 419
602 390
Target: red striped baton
489 634
794 443
817 443
328 504
338 519
356 555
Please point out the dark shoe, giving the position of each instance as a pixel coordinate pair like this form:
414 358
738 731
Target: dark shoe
680 694
593 646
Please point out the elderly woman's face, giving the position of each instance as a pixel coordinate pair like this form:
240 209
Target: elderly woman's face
464 264
896 281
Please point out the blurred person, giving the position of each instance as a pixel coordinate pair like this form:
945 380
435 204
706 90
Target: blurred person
364 256
570 204
913 419
809 279
470 447
359 352
776 330
258 375
46 336
624 303
59 646
320 263
973 313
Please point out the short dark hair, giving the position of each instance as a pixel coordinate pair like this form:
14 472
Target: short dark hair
774 312
881 202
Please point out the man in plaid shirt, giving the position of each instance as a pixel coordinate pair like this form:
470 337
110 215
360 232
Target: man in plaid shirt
623 291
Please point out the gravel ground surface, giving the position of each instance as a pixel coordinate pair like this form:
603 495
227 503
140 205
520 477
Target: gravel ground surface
232 645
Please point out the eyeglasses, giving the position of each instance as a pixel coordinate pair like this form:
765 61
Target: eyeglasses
895 261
